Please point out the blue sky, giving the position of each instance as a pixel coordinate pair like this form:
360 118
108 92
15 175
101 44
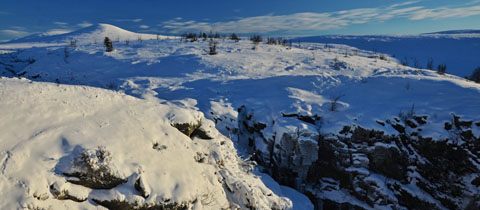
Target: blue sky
19 18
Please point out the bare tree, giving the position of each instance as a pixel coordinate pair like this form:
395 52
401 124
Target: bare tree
430 64
334 101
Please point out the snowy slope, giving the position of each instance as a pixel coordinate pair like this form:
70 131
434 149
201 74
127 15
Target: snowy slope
89 35
280 103
44 126
459 50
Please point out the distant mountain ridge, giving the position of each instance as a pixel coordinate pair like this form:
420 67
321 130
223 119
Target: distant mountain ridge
464 31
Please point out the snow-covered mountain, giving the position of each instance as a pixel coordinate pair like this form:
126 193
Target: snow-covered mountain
459 49
347 127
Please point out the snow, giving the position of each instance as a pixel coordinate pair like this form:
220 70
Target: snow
175 82
89 35
43 124
300 201
459 50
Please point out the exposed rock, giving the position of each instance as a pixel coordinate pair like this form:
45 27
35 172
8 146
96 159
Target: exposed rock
124 205
187 128
369 165
447 126
380 122
193 130
307 119
201 133
461 124
421 120
389 162
141 187
92 169
64 194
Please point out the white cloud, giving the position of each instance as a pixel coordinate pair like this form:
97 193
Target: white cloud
129 20
310 21
60 23
473 2
58 31
13 33
84 24
144 26
445 12
18 28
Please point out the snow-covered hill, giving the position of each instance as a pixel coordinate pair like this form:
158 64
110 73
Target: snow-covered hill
89 35
347 127
459 50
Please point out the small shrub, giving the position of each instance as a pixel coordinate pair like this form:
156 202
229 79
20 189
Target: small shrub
234 37
383 57
271 41
404 116
256 39
442 68
191 36
475 75
73 43
93 170
108 45
212 48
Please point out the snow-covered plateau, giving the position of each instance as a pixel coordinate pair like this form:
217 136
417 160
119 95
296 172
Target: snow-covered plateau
160 123
458 49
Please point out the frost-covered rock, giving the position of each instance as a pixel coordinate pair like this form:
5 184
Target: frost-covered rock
364 168
93 169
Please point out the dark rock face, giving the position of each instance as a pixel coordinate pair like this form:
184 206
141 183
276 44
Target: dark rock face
402 170
124 205
389 162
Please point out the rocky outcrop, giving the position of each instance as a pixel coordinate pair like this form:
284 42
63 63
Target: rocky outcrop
370 168
92 169
193 129
125 205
